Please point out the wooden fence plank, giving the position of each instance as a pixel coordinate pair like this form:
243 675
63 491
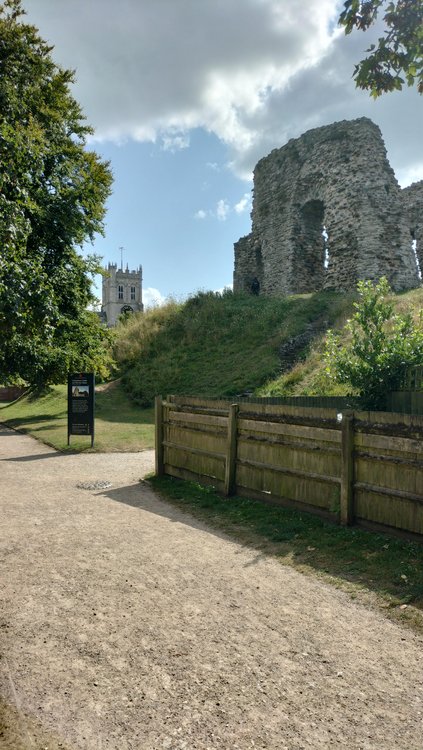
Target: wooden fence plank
159 435
347 470
197 462
395 460
193 476
178 416
231 450
279 484
293 455
388 418
388 442
247 438
378 490
196 451
291 472
282 428
278 410
215 441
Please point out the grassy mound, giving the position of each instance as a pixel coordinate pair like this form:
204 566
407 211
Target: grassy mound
219 344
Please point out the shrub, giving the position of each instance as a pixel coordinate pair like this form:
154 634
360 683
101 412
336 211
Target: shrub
381 345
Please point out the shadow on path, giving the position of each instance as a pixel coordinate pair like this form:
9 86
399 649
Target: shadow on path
348 554
35 457
141 496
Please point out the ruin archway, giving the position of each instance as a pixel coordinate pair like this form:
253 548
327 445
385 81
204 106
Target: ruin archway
309 252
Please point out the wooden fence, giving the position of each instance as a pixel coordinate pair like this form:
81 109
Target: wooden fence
414 379
405 402
11 392
355 467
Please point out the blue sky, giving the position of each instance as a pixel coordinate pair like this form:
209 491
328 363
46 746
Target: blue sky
175 213
186 95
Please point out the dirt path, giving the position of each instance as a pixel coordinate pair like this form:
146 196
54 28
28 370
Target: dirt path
127 625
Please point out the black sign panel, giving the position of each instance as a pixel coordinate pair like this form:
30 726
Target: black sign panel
81 405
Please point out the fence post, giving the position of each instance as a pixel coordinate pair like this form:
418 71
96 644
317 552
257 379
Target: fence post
159 436
230 466
347 469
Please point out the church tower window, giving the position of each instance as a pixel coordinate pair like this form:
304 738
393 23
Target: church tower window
120 291
133 293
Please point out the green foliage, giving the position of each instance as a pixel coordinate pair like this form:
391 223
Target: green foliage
398 53
216 345
52 200
381 346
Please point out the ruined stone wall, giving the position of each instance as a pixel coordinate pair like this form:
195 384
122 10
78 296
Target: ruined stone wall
413 204
336 177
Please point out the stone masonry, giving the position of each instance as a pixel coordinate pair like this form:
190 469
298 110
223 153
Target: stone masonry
328 211
413 203
121 292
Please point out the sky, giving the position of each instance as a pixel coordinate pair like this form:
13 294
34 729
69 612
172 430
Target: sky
185 97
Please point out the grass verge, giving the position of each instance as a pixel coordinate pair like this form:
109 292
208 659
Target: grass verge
375 569
119 424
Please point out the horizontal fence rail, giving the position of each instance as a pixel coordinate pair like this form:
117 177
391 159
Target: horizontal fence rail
350 467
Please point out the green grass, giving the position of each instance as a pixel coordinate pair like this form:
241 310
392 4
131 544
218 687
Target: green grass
374 568
215 345
119 424
222 345
308 377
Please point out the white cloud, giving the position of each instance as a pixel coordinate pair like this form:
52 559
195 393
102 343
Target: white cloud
253 72
414 173
201 214
175 142
145 67
222 210
244 204
152 297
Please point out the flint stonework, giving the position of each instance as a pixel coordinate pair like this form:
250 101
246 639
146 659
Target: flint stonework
333 182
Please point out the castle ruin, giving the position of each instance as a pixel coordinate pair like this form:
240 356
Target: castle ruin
328 211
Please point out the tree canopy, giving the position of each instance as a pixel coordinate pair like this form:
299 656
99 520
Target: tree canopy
397 58
52 200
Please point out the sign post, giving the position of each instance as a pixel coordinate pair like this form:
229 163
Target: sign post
81 405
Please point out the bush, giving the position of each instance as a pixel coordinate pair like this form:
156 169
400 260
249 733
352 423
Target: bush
381 346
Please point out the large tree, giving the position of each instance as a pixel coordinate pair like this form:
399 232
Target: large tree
397 58
52 200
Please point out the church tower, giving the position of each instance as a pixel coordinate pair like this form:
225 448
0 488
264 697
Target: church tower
121 292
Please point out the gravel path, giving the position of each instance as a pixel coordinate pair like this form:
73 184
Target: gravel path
127 625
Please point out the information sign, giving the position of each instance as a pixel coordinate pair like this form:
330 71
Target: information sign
81 405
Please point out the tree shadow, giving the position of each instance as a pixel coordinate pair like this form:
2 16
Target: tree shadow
35 457
6 431
17 422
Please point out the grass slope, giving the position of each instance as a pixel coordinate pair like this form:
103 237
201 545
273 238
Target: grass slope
119 425
308 377
216 344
